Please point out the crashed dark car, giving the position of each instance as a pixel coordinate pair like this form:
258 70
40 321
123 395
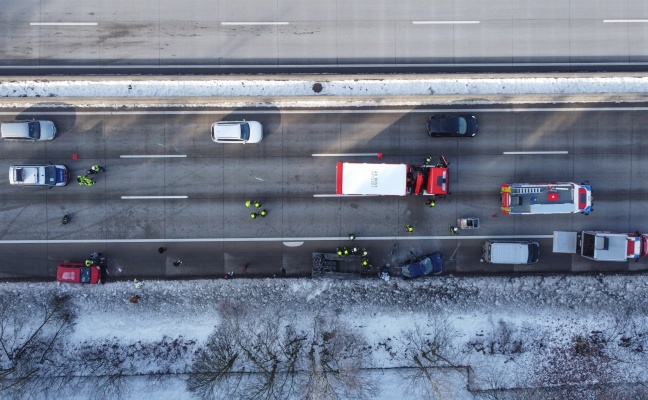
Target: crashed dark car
432 264
452 125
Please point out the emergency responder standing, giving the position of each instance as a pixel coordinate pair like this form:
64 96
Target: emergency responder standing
248 203
339 251
454 231
97 168
254 215
409 228
264 213
430 203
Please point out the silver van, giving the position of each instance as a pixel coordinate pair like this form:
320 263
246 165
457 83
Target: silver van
511 252
31 130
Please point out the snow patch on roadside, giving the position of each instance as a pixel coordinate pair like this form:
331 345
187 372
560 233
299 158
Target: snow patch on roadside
380 88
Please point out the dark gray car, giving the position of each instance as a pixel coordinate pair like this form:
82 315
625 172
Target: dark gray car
452 125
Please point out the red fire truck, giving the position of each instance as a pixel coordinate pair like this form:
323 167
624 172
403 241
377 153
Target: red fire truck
379 179
546 198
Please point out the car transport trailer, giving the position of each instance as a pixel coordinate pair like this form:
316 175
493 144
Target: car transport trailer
602 246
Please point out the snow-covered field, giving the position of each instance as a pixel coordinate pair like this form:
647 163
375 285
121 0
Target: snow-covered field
578 335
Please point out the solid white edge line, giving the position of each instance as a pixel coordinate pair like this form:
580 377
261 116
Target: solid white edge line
254 23
373 110
331 195
624 20
345 155
443 22
278 239
535 152
63 23
153 197
284 66
153 156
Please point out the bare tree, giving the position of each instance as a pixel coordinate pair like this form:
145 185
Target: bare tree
433 356
272 351
336 357
29 340
247 357
104 369
214 372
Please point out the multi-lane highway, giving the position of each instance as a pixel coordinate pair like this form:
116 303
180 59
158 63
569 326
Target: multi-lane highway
167 184
205 36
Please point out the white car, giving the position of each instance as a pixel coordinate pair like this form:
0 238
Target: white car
236 132
38 175
28 130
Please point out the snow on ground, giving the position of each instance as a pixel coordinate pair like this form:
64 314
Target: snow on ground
378 88
513 332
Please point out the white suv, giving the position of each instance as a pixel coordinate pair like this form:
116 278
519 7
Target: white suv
236 132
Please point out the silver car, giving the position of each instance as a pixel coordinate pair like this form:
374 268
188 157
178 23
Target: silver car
236 132
28 130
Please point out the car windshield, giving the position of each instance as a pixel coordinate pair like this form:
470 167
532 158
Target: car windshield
34 130
84 275
463 125
50 175
245 131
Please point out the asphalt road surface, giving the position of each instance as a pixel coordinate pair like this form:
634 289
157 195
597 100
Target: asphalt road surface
150 156
205 36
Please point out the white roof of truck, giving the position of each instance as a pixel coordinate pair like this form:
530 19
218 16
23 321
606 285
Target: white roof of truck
372 179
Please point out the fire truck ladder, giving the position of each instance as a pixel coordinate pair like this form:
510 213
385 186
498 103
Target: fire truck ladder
523 190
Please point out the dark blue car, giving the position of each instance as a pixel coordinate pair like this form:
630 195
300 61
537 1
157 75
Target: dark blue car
432 264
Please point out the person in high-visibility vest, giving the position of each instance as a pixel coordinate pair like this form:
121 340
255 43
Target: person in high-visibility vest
248 203
88 262
339 251
264 213
409 228
365 262
253 215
